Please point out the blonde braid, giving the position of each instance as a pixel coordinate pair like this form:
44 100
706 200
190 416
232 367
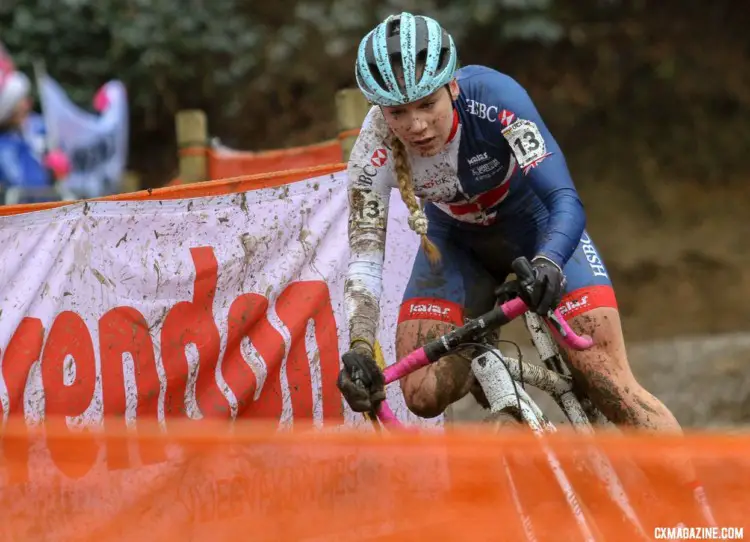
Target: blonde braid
417 219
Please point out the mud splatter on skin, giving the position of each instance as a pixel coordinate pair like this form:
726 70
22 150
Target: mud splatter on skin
605 395
452 373
622 404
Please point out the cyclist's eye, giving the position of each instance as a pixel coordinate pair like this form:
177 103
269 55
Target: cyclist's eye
427 105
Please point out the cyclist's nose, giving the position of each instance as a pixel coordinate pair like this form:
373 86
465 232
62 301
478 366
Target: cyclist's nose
417 124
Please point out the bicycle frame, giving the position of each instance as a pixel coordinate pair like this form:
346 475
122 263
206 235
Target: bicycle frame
551 381
501 315
498 376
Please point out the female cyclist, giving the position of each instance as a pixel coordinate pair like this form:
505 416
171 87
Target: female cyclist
471 144
495 186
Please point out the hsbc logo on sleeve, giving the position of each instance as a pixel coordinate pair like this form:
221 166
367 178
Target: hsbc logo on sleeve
379 158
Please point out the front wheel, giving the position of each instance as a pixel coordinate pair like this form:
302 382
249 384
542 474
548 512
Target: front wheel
503 419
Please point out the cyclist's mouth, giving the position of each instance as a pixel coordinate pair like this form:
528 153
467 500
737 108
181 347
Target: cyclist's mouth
424 143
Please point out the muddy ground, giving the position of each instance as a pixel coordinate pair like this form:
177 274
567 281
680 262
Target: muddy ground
679 259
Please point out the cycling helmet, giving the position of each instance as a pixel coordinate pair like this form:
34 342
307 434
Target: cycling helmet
407 40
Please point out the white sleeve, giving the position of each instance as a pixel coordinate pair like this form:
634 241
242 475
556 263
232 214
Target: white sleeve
371 177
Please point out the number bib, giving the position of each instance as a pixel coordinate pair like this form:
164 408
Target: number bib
526 141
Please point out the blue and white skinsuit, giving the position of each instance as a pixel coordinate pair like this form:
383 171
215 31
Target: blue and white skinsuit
498 190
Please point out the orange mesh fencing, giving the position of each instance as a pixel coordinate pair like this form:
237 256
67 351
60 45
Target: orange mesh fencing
227 163
223 164
202 480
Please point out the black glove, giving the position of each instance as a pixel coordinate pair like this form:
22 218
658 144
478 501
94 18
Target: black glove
361 381
543 292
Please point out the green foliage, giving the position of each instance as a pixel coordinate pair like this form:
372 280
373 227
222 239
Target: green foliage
641 80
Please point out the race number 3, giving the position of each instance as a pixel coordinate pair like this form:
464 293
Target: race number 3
526 141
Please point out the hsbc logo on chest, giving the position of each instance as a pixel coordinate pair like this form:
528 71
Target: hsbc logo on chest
483 111
428 308
491 113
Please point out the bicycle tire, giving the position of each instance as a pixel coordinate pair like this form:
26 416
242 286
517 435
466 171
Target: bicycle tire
533 508
503 419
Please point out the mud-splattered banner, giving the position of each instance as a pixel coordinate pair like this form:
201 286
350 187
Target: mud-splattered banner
226 306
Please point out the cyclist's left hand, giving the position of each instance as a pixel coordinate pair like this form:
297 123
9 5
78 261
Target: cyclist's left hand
545 292
361 381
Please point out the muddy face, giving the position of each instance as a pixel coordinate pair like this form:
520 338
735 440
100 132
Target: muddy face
424 126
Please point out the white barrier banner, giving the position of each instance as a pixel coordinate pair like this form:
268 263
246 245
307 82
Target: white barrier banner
226 306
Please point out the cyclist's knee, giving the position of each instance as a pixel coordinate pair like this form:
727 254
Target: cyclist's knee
411 334
429 391
421 402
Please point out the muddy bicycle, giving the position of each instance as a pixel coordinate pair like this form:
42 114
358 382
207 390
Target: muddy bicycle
502 379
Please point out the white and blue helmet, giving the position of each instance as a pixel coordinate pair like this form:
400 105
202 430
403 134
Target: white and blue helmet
407 40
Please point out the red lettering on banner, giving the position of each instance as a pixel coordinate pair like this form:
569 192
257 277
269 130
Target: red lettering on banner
69 338
125 330
247 318
24 348
299 303
193 322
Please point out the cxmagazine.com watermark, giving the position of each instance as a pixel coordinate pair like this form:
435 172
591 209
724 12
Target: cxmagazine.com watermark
699 533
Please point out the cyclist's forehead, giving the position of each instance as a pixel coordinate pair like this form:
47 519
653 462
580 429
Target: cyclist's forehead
413 106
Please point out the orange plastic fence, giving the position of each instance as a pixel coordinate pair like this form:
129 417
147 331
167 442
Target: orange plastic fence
224 164
202 481
207 188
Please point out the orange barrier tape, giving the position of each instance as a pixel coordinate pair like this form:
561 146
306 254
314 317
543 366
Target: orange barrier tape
229 164
205 481
194 190
192 151
349 133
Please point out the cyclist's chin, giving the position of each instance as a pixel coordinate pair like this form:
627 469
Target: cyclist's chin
427 150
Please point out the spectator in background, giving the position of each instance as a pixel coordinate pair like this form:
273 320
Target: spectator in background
23 164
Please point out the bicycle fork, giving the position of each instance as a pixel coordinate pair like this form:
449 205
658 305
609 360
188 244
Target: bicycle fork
503 394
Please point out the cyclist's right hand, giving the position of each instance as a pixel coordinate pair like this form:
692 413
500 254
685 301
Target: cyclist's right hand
361 381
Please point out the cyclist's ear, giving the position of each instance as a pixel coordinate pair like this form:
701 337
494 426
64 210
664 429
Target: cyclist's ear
453 89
